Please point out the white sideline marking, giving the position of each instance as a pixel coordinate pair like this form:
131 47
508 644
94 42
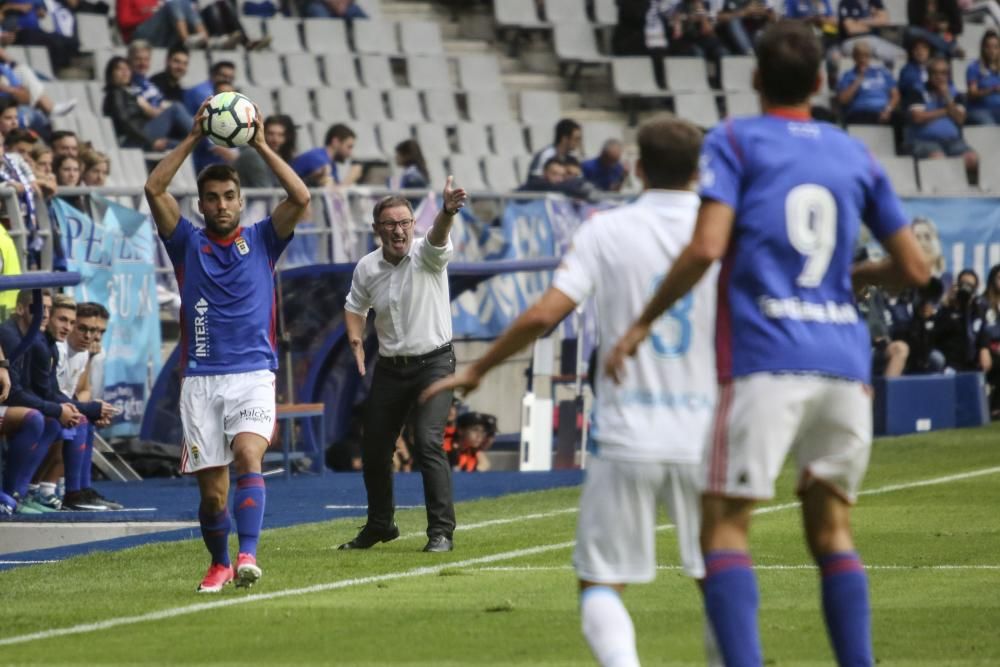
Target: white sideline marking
26 562
406 574
364 507
678 568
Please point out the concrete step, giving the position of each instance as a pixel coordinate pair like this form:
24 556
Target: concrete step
530 81
459 45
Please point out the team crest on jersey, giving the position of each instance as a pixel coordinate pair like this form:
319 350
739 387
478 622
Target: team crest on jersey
242 246
195 453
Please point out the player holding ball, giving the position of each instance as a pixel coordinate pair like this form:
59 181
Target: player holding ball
228 358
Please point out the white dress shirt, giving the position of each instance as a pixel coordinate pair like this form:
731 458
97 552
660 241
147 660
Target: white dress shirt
411 299
72 364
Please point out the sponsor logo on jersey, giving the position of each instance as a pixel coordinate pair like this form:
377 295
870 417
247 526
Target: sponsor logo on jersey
242 246
195 453
794 308
201 346
259 415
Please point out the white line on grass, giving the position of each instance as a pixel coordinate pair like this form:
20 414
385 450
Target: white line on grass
406 574
364 507
26 562
555 568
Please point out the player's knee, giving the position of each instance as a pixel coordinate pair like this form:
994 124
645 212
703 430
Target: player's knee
213 502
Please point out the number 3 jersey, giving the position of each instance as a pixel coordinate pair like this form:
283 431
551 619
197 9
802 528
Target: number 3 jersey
800 191
663 409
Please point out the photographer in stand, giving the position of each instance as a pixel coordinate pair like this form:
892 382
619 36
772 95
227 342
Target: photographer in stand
959 326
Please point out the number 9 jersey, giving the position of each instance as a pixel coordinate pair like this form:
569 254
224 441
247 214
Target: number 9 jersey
800 190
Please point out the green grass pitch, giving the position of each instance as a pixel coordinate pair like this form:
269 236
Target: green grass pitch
506 595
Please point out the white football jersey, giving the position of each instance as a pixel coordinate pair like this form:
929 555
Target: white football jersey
663 409
72 364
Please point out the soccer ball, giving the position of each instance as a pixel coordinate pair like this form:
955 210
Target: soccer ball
230 120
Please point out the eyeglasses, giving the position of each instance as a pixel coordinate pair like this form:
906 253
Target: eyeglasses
392 224
87 331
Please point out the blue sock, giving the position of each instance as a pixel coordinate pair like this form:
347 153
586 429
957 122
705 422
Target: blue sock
87 464
249 503
845 606
25 452
215 532
74 452
731 601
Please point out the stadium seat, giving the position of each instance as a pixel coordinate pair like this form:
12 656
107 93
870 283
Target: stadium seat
737 73
371 7
595 133
472 139
517 14
107 131
897 11
686 75
41 63
479 72
986 141
742 104
326 36
366 146
488 106
374 37
368 105
577 43
605 13
340 71
433 140
467 169
566 11
93 90
375 72
508 139
429 73
902 174
500 174
971 38
404 105
263 96
133 166
295 101
331 103
539 106
989 172
67 123
437 172
440 106
253 27
391 133
942 176
878 138
632 76
421 38
265 70
698 108
958 68
521 163
197 70
303 70
94 32
284 33
540 135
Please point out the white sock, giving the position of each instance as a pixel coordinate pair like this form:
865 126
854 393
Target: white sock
607 627
47 488
713 656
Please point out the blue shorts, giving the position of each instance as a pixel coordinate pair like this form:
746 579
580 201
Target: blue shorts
923 148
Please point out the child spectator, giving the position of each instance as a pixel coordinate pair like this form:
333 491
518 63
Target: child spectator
913 76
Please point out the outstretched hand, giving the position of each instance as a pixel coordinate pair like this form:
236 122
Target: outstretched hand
257 140
464 382
614 365
454 198
198 128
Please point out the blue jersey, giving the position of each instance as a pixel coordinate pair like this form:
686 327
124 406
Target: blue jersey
227 297
800 190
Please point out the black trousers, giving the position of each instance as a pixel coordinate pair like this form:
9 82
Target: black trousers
391 402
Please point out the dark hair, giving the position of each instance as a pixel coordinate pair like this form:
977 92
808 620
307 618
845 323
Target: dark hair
19 134
991 279
788 60
57 164
177 48
114 62
222 64
91 309
410 151
668 150
940 61
339 131
565 128
551 161
967 272
570 161
62 134
288 149
390 201
24 297
7 103
217 172
989 34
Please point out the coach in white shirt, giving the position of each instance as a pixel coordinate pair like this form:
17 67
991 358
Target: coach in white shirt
406 283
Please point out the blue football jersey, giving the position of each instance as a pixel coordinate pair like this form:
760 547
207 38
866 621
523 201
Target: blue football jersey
228 306
800 191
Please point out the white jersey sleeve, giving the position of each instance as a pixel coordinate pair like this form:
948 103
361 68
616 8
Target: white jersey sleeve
575 276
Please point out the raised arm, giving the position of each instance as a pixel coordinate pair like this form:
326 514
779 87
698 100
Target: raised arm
166 212
290 211
454 200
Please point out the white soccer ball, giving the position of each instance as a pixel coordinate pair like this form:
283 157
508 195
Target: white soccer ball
230 120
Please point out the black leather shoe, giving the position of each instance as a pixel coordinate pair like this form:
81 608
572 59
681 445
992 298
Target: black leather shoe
369 537
439 544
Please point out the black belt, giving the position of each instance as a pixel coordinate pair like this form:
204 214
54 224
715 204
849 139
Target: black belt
409 361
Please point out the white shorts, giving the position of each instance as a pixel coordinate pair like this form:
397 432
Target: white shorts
616 533
761 417
214 408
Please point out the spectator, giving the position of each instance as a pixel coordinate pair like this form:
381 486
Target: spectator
147 93
334 9
553 175
692 33
913 76
280 135
919 332
168 82
959 325
606 172
860 20
8 115
411 159
569 136
222 73
320 165
21 141
95 167
10 265
470 436
939 22
65 142
867 93
819 14
166 24
991 335
641 31
16 172
137 124
741 20
983 79
23 19
38 98
222 22
935 119
888 356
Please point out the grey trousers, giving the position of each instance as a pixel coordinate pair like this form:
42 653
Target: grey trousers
392 403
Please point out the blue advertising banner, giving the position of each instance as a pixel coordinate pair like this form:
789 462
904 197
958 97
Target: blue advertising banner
966 231
114 250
